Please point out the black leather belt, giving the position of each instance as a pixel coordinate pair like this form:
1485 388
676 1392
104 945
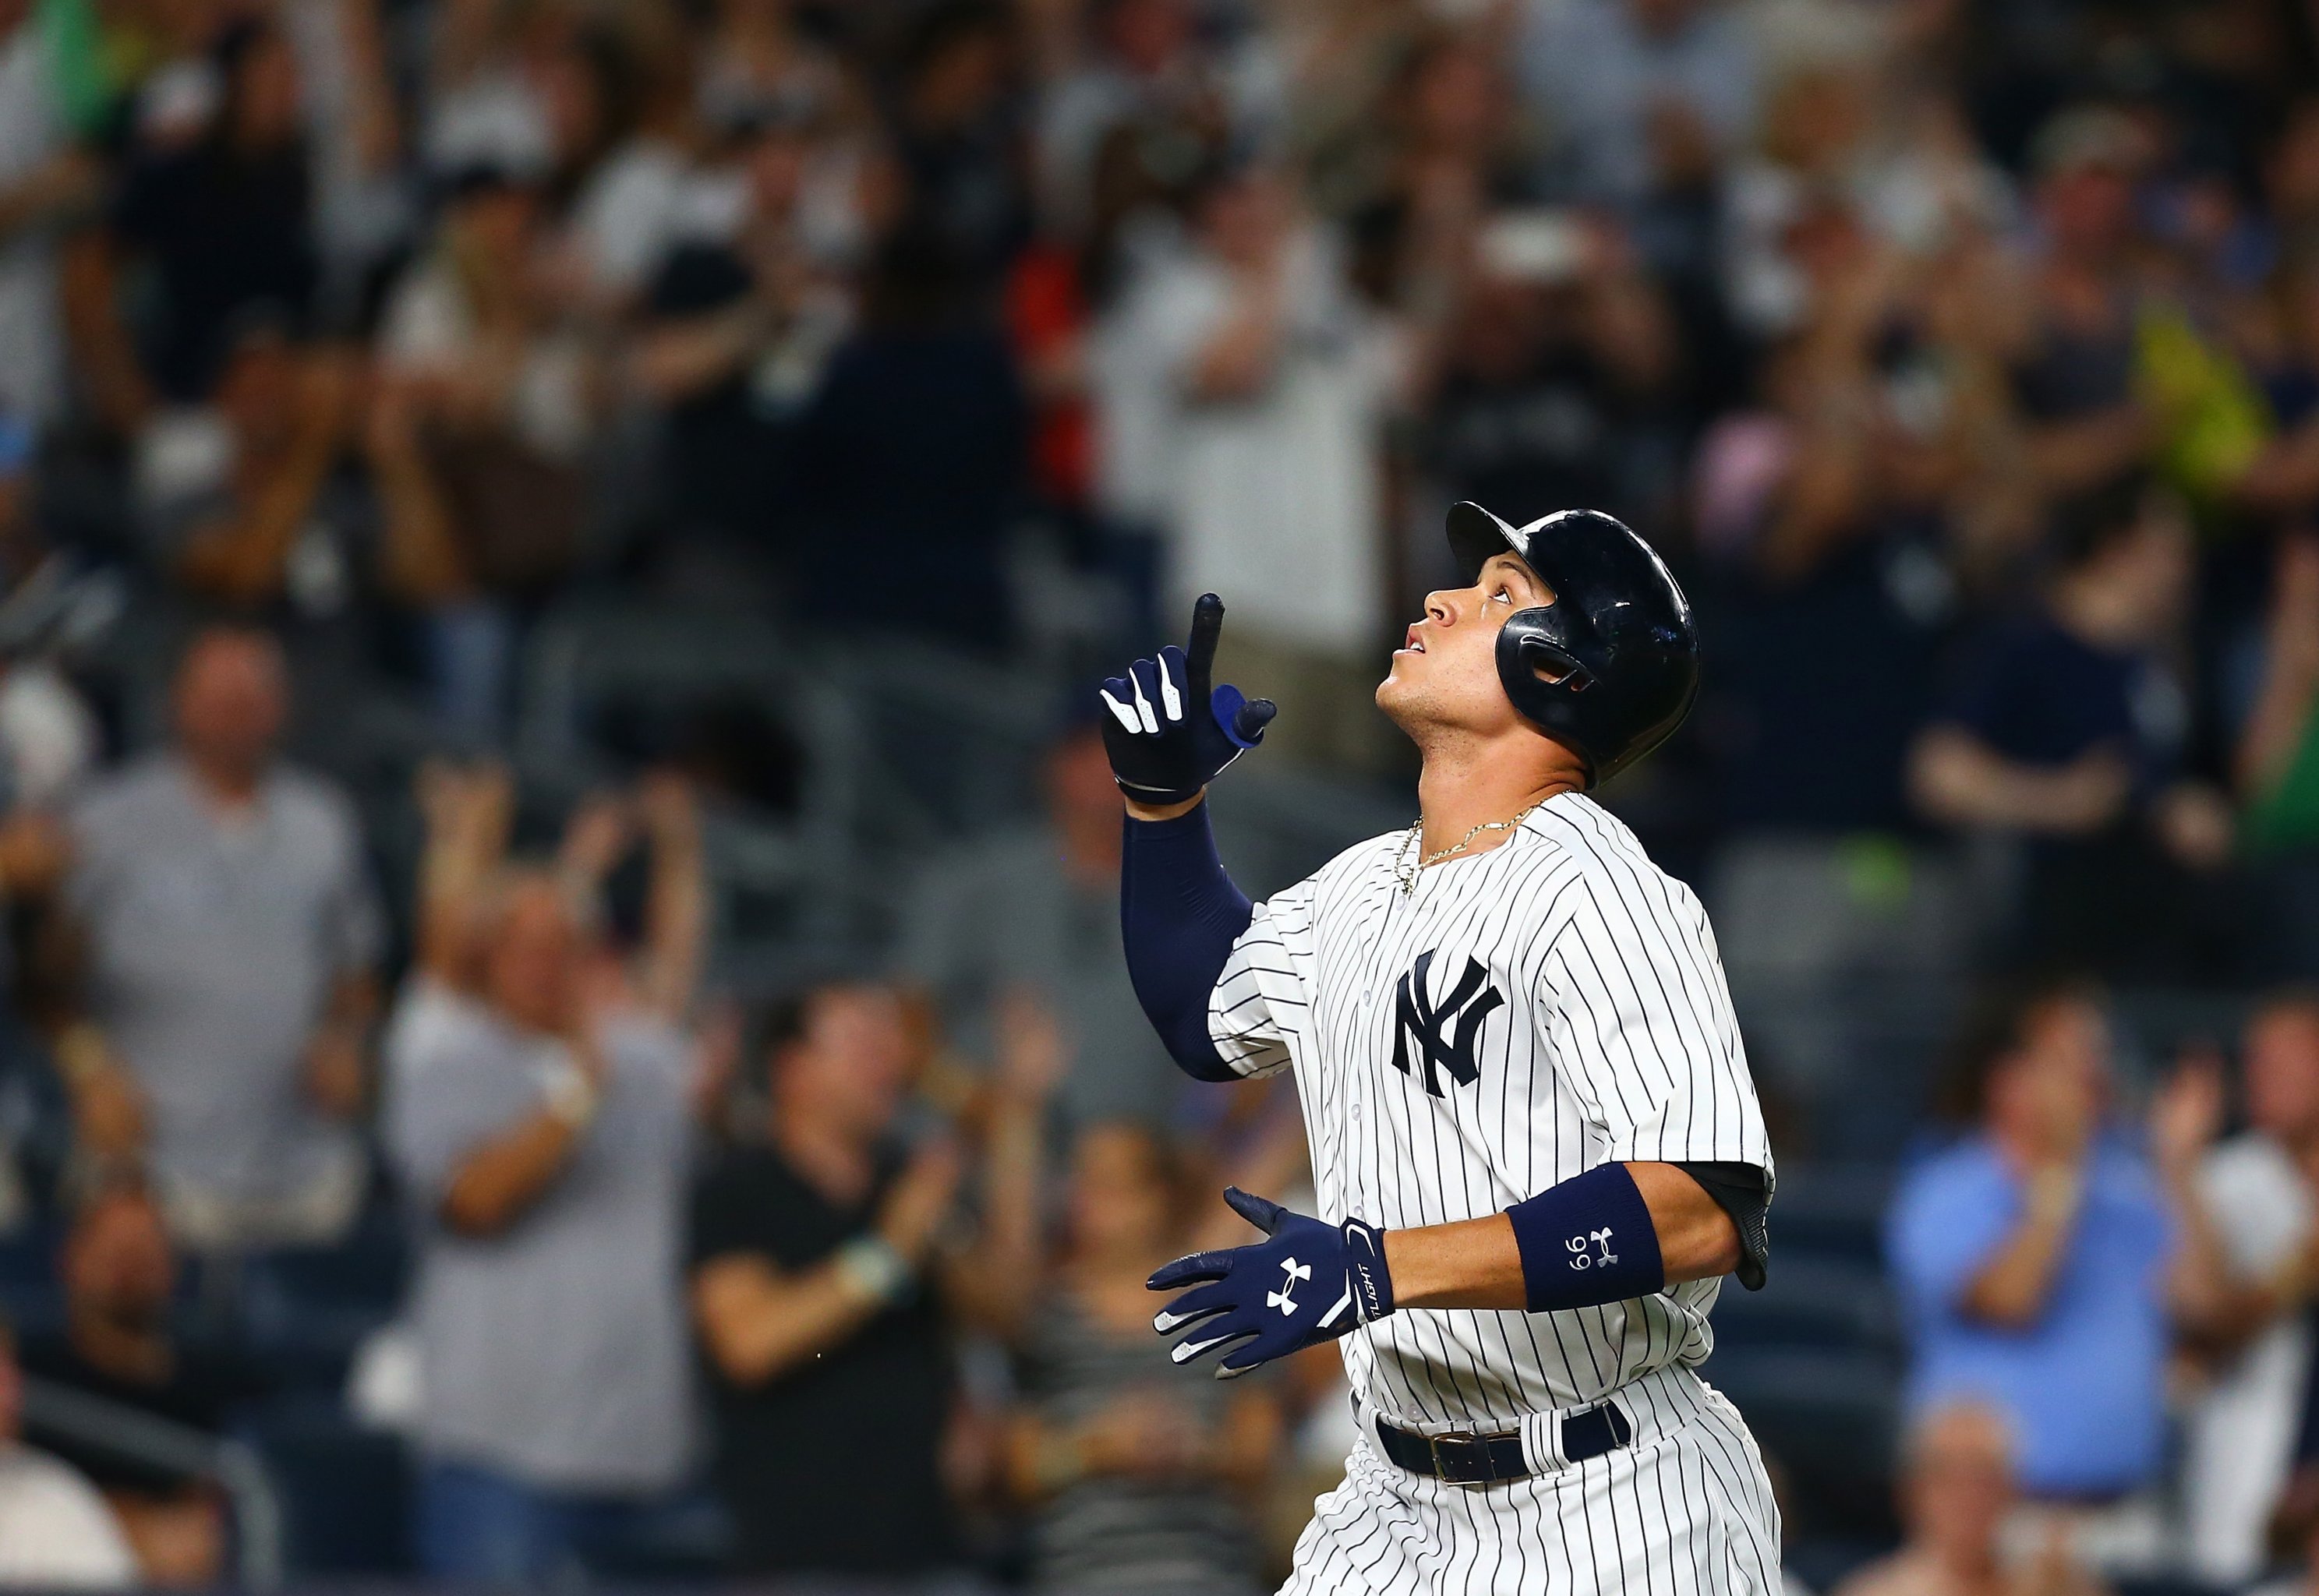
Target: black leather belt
1488 1459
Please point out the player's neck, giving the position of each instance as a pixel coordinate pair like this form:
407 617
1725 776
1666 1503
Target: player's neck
1468 783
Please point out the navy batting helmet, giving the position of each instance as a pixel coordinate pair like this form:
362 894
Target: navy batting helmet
1610 668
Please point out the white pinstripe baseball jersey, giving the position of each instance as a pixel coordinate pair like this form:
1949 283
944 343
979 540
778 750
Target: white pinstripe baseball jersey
1523 1015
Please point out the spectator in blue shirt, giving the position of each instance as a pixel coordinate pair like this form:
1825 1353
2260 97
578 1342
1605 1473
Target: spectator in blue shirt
2043 1259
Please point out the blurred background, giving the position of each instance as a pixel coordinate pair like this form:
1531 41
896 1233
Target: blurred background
563 1018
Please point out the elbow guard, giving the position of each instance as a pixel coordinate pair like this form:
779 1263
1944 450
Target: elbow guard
1587 1241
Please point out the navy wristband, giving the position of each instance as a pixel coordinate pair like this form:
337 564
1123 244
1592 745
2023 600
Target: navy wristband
1587 1241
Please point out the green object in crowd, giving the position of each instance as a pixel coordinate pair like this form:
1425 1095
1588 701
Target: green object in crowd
78 75
2212 419
2287 818
1876 872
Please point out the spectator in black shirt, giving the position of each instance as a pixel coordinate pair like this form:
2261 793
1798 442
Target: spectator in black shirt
958 140
118 1345
2070 729
1552 365
918 445
223 222
820 1283
731 348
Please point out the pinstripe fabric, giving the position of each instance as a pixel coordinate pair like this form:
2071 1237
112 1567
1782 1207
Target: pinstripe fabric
1615 1041
1685 1511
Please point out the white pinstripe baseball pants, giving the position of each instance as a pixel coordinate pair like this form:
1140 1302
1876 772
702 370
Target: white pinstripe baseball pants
1684 1510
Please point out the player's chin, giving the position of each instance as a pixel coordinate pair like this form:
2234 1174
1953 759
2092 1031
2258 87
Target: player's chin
1397 695
1400 672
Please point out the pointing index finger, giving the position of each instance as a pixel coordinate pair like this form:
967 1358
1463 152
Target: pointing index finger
1200 648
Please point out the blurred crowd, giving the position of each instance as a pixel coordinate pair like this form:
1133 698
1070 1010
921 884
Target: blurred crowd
415 1107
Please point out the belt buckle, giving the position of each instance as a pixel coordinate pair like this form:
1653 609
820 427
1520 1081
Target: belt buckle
1462 1460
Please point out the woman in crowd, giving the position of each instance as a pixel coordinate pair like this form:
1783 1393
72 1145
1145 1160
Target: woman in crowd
1139 1475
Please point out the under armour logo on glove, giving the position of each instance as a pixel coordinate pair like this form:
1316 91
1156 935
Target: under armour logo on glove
1280 1299
1245 1299
1169 733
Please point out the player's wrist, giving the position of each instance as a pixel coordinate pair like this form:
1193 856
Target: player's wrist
1062 1461
1367 1270
82 1055
875 1269
2054 1189
568 1094
1153 809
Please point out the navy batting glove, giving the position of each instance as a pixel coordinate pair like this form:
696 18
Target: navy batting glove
1169 733
1309 1283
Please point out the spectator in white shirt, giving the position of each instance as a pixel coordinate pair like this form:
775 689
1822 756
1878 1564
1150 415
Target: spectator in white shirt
2240 1436
1249 365
227 985
55 1529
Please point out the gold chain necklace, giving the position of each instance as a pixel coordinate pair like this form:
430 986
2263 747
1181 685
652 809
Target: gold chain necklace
1408 872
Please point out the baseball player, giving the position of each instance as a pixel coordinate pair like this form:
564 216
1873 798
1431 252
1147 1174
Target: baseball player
1535 1145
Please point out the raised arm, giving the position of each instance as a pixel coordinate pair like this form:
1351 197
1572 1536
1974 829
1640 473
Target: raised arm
676 909
1180 915
467 814
1168 733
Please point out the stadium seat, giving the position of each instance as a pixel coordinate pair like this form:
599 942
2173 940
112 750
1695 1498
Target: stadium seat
1808 1301
30 1298
1831 1211
344 1491
1829 1418
306 1309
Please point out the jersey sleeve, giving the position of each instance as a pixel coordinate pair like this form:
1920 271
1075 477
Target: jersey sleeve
1641 1027
1257 1014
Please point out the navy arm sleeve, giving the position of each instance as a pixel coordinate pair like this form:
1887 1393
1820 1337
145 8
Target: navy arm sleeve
1180 915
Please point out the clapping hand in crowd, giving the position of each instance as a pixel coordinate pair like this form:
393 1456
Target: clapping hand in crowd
338 1070
2186 1115
34 851
1033 1054
1145 1434
916 1212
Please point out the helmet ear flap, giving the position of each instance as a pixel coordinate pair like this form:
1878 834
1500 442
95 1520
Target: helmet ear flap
1553 664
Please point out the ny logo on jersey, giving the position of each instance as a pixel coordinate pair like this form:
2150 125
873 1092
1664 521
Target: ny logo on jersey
1415 1014
1291 1272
